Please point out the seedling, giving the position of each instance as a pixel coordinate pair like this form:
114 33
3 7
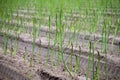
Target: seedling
47 57
39 54
25 55
97 74
71 57
77 68
33 42
89 56
11 48
15 47
5 44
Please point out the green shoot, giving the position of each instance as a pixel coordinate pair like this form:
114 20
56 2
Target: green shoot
89 56
93 64
47 58
65 66
77 68
39 54
25 55
5 44
11 48
71 56
15 47
33 43
98 67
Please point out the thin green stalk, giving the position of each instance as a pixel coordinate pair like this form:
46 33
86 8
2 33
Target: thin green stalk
47 58
5 44
65 66
115 34
93 64
71 56
89 56
55 40
59 54
15 47
38 32
77 68
39 54
25 55
33 48
33 43
98 66
60 35
102 39
105 51
11 48
119 47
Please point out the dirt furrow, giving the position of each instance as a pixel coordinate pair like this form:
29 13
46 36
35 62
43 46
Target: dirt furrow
7 71
84 59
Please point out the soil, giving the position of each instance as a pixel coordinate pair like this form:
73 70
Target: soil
27 42
16 68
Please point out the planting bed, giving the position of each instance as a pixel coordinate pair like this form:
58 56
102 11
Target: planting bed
26 41
112 66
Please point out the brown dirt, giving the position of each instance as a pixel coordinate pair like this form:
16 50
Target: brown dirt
38 71
27 42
